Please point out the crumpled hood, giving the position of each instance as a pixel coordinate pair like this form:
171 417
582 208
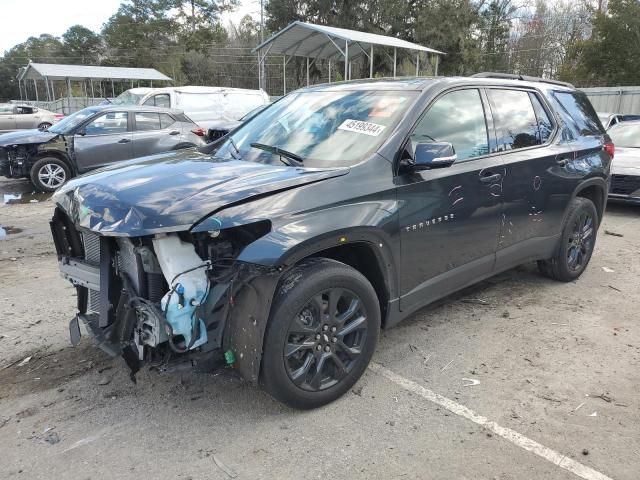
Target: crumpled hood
626 161
172 191
23 137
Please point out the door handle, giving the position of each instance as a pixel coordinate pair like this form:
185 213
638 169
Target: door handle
491 177
124 140
563 162
175 132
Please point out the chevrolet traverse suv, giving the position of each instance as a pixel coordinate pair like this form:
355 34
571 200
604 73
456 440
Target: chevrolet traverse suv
339 210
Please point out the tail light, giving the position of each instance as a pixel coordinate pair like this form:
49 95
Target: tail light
57 117
610 148
199 131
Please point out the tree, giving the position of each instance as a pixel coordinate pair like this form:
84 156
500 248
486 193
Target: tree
81 46
610 55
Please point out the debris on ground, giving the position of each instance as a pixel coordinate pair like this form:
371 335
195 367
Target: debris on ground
594 414
24 362
470 382
604 397
585 451
224 468
613 234
52 438
477 301
104 380
446 366
4 421
608 270
579 407
614 288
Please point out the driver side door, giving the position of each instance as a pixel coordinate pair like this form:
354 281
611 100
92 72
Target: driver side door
105 139
450 216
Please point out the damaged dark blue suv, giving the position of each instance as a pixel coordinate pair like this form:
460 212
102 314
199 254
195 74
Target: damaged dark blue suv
338 210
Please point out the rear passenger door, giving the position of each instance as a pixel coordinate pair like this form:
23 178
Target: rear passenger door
154 133
7 118
535 190
449 217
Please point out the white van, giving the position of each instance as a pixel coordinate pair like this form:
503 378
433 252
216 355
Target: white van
216 109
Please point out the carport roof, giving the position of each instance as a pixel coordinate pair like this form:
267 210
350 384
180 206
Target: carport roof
320 41
38 71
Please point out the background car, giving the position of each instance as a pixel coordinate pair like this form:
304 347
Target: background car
610 119
625 168
92 138
19 117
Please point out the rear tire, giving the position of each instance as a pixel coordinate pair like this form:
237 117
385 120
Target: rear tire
322 332
49 173
577 242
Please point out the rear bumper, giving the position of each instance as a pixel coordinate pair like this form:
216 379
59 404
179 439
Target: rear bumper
625 188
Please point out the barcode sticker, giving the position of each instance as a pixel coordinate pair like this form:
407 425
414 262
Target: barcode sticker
358 126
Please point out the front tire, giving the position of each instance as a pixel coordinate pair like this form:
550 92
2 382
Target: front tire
49 173
322 332
576 243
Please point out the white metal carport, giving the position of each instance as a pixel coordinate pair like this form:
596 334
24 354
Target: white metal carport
48 73
300 39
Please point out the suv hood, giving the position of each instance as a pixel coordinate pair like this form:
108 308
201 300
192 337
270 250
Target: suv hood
24 137
173 191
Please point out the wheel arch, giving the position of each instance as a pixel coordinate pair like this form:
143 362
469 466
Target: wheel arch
594 189
52 153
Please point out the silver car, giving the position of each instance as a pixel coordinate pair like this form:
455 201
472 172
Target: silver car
92 138
625 167
20 117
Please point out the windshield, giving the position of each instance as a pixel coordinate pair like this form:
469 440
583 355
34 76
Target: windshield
128 98
325 129
67 124
625 135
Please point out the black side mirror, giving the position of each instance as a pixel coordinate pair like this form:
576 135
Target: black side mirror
434 155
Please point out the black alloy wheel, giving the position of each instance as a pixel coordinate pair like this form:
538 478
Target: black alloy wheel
325 339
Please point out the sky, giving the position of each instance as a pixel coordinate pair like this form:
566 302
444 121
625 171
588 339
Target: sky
22 19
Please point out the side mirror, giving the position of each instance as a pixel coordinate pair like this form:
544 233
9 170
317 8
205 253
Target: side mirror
434 155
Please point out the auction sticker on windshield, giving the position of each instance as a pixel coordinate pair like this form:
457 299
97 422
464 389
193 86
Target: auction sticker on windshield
359 126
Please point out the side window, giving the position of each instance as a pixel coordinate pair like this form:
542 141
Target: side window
166 120
457 118
24 110
515 121
147 121
545 125
6 109
582 115
160 100
108 123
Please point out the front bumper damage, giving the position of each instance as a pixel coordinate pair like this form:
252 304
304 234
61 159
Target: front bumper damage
120 292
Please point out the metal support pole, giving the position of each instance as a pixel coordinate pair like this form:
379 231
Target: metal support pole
371 62
436 69
349 69
68 96
93 95
131 83
417 64
46 89
113 92
346 60
329 71
284 74
20 88
259 72
35 87
307 71
53 91
151 83
395 57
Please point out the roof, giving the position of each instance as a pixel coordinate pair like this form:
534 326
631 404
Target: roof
52 71
209 90
320 41
135 108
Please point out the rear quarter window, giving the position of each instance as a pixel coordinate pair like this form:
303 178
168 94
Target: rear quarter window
578 111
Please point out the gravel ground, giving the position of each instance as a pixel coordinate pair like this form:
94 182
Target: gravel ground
557 363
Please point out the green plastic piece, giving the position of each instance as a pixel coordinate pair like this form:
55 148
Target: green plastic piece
229 357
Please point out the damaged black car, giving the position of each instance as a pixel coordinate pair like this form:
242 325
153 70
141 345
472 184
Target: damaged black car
336 212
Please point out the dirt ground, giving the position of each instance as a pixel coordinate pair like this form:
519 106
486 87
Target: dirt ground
556 363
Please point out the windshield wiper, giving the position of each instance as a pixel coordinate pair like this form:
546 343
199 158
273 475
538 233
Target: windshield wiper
295 159
236 155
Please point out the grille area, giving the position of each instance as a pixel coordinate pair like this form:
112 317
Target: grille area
91 244
625 184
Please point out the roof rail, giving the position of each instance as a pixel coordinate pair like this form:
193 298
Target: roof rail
526 78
